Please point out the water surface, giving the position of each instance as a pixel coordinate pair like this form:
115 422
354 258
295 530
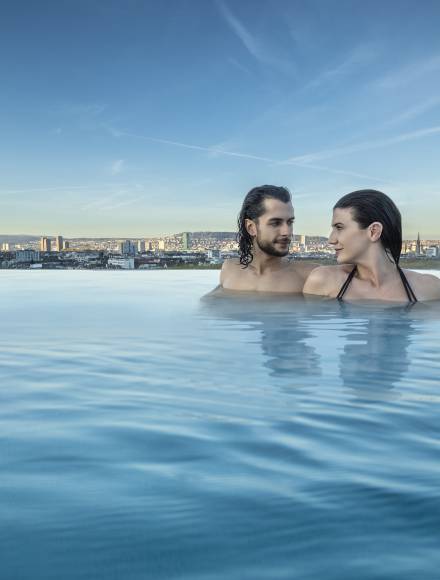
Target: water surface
148 434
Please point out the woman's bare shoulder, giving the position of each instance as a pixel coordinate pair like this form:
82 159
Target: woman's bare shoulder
425 286
325 280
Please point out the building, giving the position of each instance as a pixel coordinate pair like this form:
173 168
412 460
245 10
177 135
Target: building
214 256
141 246
186 241
127 248
6 247
59 243
45 244
418 246
122 263
27 256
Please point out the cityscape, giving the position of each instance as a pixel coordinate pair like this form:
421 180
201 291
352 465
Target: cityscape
182 250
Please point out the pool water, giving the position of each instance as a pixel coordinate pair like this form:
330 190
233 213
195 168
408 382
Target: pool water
149 434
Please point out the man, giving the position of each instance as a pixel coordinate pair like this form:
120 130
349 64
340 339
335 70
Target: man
265 227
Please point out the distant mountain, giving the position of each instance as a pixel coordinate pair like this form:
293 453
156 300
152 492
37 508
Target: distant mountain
17 238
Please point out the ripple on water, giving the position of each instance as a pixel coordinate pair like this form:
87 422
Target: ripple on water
146 436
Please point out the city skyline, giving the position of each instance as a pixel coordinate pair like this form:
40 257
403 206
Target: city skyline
121 119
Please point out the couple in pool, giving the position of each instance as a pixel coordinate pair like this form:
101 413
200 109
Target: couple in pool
366 235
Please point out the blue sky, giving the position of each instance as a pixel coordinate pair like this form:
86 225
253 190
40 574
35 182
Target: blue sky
140 118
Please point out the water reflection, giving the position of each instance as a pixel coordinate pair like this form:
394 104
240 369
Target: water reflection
371 340
375 355
282 323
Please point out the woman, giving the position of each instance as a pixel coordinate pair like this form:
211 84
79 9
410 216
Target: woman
367 238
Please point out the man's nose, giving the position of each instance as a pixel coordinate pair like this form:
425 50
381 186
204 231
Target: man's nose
332 238
286 229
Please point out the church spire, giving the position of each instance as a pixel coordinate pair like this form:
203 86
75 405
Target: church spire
418 246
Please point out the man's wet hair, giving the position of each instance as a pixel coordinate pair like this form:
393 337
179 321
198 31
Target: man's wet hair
370 205
252 208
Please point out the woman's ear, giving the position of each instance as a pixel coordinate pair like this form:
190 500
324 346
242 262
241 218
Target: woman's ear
251 227
375 230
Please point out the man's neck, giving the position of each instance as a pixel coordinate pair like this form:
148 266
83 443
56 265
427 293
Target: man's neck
263 262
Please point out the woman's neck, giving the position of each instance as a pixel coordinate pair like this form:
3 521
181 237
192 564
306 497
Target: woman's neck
376 268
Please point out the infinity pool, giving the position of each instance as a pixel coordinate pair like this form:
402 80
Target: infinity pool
149 435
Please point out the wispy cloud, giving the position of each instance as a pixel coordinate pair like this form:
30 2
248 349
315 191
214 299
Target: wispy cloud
364 146
409 73
193 147
360 56
299 162
253 44
240 66
415 111
248 40
117 167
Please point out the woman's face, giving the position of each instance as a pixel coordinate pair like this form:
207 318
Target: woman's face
349 240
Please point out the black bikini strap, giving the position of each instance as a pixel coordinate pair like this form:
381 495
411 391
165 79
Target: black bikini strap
409 291
346 284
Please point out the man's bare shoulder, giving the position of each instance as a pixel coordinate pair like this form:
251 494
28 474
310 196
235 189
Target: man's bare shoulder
326 280
231 263
425 286
230 268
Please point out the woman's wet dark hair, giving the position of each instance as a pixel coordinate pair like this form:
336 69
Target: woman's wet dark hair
253 208
370 206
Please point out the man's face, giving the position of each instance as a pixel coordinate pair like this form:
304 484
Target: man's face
273 229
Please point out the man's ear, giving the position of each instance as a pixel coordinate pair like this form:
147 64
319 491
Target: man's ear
251 227
375 231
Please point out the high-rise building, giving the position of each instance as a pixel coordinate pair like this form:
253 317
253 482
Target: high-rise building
6 247
186 241
418 245
66 245
141 246
127 248
59 243
45 244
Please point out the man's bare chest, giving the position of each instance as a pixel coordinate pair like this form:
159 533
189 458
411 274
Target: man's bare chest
247 280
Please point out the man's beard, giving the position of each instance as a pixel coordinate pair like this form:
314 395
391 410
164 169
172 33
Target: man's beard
270 248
